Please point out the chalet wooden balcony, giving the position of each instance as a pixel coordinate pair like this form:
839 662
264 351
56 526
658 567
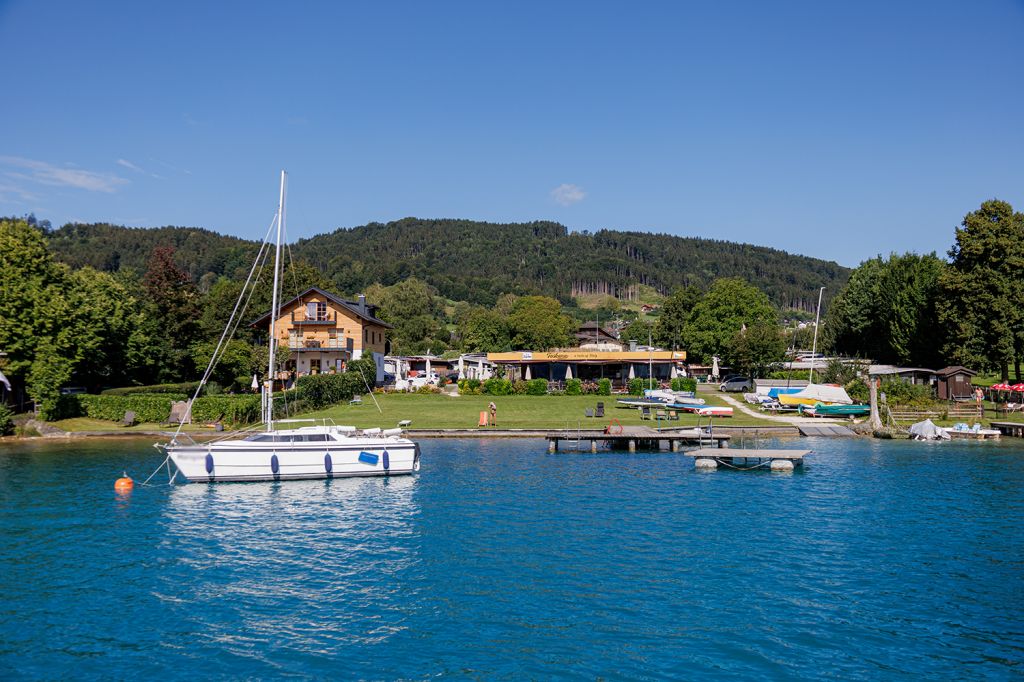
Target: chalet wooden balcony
329 318
317 344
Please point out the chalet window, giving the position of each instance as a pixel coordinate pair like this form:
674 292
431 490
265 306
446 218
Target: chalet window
316 310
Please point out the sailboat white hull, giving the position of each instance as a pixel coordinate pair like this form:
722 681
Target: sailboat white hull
240 461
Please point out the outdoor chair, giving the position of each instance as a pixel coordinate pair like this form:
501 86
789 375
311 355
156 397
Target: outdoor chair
405 423
673 415
661 415
645 413
588 412
129 419
600 410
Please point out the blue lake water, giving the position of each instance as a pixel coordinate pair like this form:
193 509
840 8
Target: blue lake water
879 560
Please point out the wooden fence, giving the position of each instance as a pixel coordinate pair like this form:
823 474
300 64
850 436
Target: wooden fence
899 413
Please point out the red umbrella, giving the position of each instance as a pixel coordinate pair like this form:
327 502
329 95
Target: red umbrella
1018 387
1000 387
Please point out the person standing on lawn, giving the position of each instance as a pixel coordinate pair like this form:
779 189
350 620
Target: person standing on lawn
494 413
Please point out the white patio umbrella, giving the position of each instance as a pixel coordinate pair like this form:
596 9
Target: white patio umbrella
568 372
428 367
462 368
674 373
714 366
255 383
480 369
527 375
632 373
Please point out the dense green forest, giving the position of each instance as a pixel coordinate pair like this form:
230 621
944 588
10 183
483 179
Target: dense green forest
473 261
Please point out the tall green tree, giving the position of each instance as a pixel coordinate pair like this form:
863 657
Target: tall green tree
728 306
756 349
982 290
669 331
173 300
538 323
416 312
484 330
887 311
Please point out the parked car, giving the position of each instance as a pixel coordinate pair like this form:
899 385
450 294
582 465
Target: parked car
736 384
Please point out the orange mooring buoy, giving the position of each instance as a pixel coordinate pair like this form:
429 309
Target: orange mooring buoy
124 484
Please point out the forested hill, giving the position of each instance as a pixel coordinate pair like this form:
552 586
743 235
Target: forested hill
475 261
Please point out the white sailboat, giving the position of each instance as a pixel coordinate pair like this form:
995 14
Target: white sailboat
309 452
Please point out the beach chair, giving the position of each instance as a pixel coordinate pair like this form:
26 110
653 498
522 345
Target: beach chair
661 415
600 410
129 419
588 412
673 415
645 413
484 419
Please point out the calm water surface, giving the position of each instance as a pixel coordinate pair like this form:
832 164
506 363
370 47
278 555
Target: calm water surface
881 560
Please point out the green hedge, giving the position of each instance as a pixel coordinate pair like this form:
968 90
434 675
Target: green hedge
604 387
147 408
496 386
233 409
573 387
537 387
187 389
637 386
323 390
684 384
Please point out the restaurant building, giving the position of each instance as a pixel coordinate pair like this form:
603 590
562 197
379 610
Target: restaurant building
592 365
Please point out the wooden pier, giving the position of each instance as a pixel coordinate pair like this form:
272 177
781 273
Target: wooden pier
709 459
632 438
1008 428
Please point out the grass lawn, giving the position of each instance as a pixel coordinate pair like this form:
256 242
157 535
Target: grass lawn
89 424
436 411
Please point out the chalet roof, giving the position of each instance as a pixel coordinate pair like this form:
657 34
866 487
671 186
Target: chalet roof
353 307
955 369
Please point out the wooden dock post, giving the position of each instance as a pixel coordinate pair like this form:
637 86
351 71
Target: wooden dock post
632 445
593 446
553 445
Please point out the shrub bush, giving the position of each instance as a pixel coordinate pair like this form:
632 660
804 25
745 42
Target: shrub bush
496 386
321 390
537 387
519 387
233 409
573 387
637 386
6 420
604 387
684 384
147 408
899 392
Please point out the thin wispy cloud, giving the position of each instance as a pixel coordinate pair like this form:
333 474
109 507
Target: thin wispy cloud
56 176
128 164
16 194
567 194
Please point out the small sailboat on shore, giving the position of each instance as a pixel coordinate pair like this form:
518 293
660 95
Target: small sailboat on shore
308 452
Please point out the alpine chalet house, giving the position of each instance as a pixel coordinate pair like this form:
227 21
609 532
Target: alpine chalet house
322 331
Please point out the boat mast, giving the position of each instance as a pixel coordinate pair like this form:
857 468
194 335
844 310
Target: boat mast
269 384
814 344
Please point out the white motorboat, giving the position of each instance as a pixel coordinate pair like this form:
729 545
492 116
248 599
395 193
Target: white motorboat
307 452
323 451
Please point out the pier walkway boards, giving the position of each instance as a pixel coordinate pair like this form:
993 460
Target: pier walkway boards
832 430
633 437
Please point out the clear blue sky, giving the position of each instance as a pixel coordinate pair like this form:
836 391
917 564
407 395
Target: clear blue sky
839 130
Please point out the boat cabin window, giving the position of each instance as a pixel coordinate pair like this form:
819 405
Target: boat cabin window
297 438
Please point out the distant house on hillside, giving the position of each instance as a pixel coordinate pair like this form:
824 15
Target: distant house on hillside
592 336
322 331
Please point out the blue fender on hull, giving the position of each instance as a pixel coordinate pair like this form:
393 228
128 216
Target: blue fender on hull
275 465
209 463
387 460
328 464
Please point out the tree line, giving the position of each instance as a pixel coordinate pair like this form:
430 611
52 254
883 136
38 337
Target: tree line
925 311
